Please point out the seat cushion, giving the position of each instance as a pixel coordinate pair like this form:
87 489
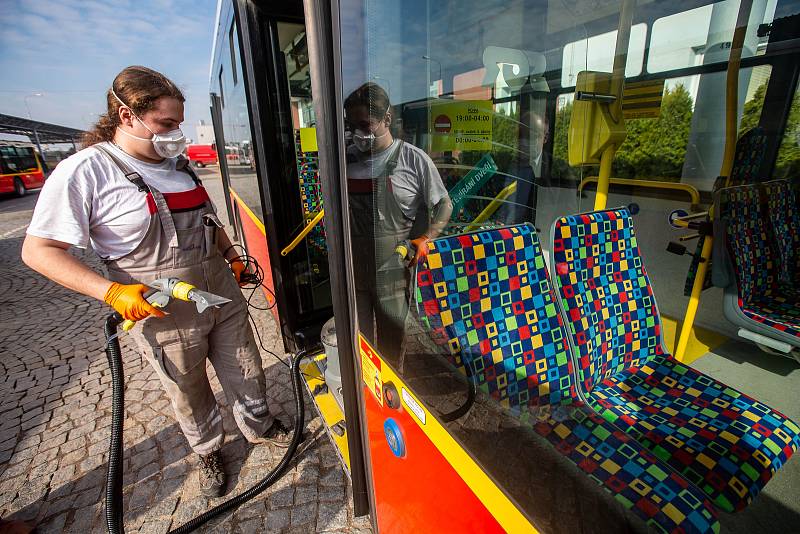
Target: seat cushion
725 442
778 309
665 500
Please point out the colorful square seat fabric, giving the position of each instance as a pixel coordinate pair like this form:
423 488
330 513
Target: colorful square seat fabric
765 298
777 308
725 442
784 217
487 296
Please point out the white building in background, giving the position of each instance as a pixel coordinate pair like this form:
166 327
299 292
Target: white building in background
205 133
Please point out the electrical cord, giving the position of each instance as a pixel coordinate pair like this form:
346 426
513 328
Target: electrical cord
253 278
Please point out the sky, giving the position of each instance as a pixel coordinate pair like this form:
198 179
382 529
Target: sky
69 51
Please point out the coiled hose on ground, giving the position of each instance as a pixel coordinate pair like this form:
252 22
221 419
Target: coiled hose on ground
114 477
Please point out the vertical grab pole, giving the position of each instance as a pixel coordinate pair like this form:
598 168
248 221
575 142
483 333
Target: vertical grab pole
615 108
731 123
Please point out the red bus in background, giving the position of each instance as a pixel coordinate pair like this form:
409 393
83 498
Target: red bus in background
202 155
20 168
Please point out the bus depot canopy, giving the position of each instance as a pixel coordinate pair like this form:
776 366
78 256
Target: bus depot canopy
42 132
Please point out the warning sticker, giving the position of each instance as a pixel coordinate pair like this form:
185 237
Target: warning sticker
461 125
371 369
412 404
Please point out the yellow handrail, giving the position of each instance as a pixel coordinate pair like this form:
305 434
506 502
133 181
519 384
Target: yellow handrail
731 98
310 226
489 210
652 184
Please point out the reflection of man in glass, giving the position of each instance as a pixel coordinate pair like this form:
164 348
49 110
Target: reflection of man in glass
396 196
529 167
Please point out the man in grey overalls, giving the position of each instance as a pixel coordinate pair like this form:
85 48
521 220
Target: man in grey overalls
110 194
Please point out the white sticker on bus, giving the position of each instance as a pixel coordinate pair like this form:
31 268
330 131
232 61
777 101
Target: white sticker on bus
412 404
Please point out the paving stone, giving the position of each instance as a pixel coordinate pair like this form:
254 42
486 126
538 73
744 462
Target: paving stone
142 494
276 520
303 514
331 517
63 475
84 519
305 494
53 526
155 527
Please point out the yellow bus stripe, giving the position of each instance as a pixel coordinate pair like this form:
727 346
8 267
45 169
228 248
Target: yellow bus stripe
248 211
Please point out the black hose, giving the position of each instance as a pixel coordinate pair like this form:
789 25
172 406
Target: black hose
114 475
472 391
114 478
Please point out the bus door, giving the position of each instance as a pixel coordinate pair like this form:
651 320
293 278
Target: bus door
266 124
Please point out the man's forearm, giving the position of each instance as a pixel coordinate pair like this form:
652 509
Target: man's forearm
53 260
440 217
224 243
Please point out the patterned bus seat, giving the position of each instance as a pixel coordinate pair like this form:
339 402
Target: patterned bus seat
487 296
726 443
758 297
784 216
749 157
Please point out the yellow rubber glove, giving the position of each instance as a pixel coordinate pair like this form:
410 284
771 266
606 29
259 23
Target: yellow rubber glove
129 301
420 244
238 268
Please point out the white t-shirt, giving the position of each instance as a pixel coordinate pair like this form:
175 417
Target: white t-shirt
87 200
416 183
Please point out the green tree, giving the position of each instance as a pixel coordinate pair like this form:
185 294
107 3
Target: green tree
752 110
656 148
788 163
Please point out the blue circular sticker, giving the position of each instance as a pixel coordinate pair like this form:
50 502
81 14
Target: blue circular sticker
394 437
676 214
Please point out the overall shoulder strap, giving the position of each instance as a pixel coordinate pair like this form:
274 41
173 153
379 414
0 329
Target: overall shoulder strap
134 177
164 215
183 165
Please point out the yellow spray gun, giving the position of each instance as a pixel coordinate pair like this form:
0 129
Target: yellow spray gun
165 289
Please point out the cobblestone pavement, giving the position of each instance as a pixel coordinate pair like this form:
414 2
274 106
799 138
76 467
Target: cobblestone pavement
55 417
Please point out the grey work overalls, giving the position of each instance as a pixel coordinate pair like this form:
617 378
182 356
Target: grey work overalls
181 243
381 296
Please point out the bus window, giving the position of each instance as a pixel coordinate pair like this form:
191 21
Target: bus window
605 60
702 36
446 135
787 166
474 106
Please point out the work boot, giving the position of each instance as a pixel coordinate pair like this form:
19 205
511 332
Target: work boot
278 434
212 474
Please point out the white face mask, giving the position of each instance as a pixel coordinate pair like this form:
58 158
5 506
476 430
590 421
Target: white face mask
166 145
365 141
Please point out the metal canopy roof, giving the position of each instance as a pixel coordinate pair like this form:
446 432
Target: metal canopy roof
48 133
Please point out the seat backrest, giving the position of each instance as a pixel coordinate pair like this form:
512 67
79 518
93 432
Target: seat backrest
487 295
748 157
606 295
784 217
747 231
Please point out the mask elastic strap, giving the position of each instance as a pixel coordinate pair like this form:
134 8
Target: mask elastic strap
135 115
